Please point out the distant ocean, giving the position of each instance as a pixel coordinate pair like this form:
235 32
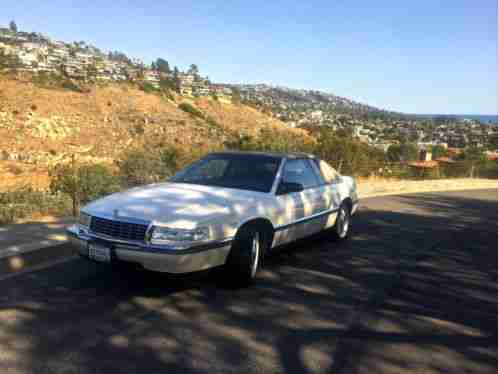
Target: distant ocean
493 119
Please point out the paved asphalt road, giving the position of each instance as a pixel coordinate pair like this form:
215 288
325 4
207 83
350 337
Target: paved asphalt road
414 291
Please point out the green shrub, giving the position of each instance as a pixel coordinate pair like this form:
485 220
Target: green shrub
167 85
402 152
270 140
45 80
456 170
146 165
488 169
96 181
194 112
71 86
211 122
148 87
188 108
82 183
167 94
25 202
54 81
347 155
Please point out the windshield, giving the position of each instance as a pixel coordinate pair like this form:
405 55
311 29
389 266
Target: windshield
241 171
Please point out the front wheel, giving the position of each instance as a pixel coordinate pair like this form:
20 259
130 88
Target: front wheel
342 224
245 257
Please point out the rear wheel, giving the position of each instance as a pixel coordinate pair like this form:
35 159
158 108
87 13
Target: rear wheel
245 257
340 231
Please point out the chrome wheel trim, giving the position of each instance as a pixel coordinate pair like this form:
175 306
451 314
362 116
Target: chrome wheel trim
255 247
342 223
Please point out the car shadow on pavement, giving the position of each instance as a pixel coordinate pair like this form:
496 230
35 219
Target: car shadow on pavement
413 290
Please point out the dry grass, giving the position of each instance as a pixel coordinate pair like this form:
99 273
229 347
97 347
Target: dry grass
30 176
44 126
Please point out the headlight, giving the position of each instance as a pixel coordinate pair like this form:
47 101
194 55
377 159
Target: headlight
166 235
84 219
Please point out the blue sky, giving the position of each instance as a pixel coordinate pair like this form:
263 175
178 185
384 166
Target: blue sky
411 56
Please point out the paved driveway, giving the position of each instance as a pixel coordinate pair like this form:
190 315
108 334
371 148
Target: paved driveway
414 291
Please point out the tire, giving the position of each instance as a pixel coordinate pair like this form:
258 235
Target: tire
245 257
340 230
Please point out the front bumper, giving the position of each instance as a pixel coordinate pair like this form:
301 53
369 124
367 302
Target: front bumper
156 258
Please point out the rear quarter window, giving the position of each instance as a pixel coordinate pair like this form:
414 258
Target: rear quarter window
329 174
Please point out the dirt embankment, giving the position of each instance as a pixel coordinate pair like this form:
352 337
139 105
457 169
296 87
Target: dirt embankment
40 127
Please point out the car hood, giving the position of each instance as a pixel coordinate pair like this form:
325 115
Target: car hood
176 204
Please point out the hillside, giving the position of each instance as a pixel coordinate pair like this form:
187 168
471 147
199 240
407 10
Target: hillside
40 127
285 97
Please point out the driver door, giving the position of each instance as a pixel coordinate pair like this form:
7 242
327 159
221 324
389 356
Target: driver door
295 207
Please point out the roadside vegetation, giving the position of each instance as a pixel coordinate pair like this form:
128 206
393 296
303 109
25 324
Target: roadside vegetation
142 145
82 183
25 202
140 165
73 184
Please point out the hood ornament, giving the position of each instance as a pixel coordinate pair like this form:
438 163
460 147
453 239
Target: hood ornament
115 213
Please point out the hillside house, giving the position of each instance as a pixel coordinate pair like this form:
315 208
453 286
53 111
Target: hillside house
186 79
425 155
152 77
201 90
223 93
186 91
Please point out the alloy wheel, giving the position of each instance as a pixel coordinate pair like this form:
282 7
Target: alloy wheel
342 222
255 249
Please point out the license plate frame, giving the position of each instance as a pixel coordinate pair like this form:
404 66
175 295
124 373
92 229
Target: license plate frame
99 252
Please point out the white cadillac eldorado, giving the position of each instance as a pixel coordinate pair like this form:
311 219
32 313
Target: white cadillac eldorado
228 208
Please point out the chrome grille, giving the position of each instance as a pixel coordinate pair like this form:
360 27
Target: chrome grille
118 229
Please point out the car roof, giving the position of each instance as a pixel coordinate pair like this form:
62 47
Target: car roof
290 155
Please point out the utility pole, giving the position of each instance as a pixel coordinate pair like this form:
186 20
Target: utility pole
75 190
76 195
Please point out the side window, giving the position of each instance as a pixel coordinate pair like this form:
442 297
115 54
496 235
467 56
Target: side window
299 171
328 172
315 166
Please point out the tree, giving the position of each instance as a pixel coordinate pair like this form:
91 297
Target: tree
9 61
270 140
444 120
193 69
162 66
119 57
349 156
471 158
439 151
402 152
236 98
167 83
472 154
176 79
13 26
140 166
493 142
82 183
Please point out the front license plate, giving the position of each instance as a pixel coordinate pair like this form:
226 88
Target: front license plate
99 253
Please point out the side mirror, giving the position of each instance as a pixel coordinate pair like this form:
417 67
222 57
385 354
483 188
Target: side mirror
289 187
